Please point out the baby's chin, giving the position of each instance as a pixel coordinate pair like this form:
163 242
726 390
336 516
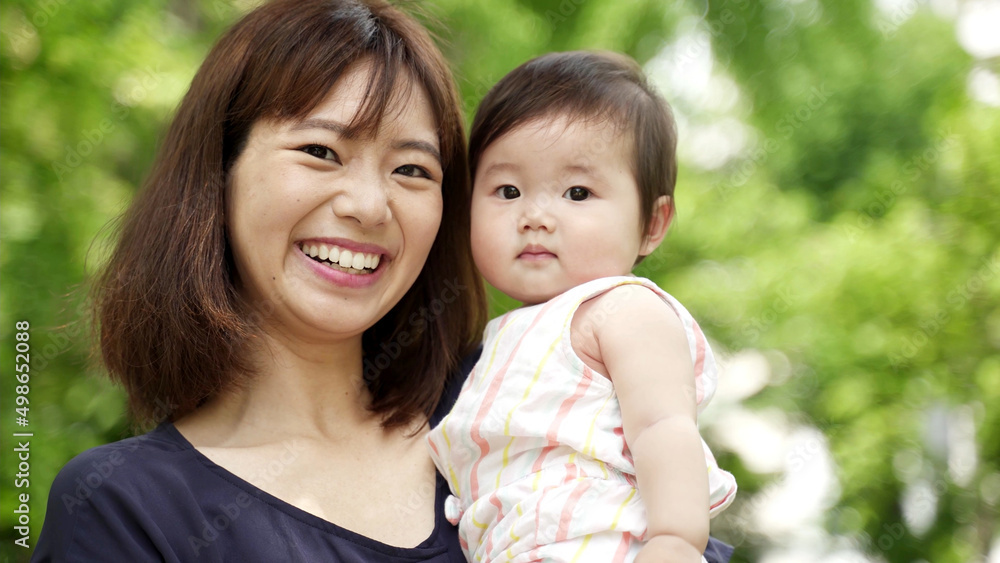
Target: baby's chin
536 297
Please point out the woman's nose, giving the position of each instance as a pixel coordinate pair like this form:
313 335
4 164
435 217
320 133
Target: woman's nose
363 195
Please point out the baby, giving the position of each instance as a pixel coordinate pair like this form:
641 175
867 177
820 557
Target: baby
575 437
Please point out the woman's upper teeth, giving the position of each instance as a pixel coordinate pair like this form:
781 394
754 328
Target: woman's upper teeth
345 258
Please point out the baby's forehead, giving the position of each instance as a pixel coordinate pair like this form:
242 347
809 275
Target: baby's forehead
612 125
569 147
595 134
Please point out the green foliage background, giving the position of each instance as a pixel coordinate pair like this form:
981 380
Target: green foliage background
854 241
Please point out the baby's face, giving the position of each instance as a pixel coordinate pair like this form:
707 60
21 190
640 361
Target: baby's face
554 205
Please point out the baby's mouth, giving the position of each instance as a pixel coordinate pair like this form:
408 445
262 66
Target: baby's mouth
337 258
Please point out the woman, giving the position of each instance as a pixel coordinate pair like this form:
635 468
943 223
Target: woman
289 293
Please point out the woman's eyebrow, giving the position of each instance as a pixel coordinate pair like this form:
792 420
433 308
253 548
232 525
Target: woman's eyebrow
317 123
423 146
340 129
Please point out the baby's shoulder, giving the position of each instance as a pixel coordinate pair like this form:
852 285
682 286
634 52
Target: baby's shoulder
625 303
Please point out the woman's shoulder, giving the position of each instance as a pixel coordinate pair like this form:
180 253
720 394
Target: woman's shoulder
120 473
117 464
101 502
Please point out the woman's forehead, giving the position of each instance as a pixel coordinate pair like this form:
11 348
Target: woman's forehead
363 102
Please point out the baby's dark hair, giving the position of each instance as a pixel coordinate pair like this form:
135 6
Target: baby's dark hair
587 85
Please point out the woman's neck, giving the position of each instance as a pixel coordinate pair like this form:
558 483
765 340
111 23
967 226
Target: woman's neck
313 390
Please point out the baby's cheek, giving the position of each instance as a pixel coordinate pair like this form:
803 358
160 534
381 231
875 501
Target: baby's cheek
484 252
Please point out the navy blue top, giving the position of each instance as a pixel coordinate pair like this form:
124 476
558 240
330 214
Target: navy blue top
156 498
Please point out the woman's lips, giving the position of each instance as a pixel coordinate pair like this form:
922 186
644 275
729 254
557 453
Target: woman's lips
345 262
338 256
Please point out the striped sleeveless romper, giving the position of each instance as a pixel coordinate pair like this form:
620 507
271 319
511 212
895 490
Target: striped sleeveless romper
534 450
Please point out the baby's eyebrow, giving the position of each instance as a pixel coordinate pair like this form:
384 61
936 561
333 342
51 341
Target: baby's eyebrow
500 167
580 168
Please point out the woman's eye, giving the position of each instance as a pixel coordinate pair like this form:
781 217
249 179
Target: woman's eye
413 171
508 192
576 193
321 152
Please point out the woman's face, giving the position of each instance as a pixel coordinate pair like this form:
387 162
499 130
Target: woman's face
330 231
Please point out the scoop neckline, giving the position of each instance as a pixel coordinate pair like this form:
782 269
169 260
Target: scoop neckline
426 547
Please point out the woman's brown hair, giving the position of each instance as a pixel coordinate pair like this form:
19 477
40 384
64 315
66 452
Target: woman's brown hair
172 327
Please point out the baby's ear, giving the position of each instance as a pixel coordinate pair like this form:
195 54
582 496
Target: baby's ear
663 214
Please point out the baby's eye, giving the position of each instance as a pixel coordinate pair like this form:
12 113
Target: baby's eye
413 171
508 192
321 152
576 193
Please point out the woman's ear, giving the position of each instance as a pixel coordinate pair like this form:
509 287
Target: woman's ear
663 214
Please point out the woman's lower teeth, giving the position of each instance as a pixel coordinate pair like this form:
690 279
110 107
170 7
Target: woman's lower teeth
340 268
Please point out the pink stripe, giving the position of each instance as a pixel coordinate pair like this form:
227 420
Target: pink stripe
622 548
538 524
538 515
553 433
567 515
490 396
724 499
699 362
537 466
489 538
495 501
533 555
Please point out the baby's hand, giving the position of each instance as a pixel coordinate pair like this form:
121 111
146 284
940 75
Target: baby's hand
668 549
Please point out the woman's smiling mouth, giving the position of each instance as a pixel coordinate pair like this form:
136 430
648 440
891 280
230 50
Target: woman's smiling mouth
342 259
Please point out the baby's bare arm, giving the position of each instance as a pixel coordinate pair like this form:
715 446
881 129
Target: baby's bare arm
645 350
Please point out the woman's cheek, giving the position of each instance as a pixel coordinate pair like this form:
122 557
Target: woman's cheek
421 220
435 213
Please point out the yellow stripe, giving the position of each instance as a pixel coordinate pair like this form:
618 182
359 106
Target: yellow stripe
614 523
444 422
513 536
534 484
451 469
506 451
583 546
476 522
527 392
534 379
493 354
587 447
